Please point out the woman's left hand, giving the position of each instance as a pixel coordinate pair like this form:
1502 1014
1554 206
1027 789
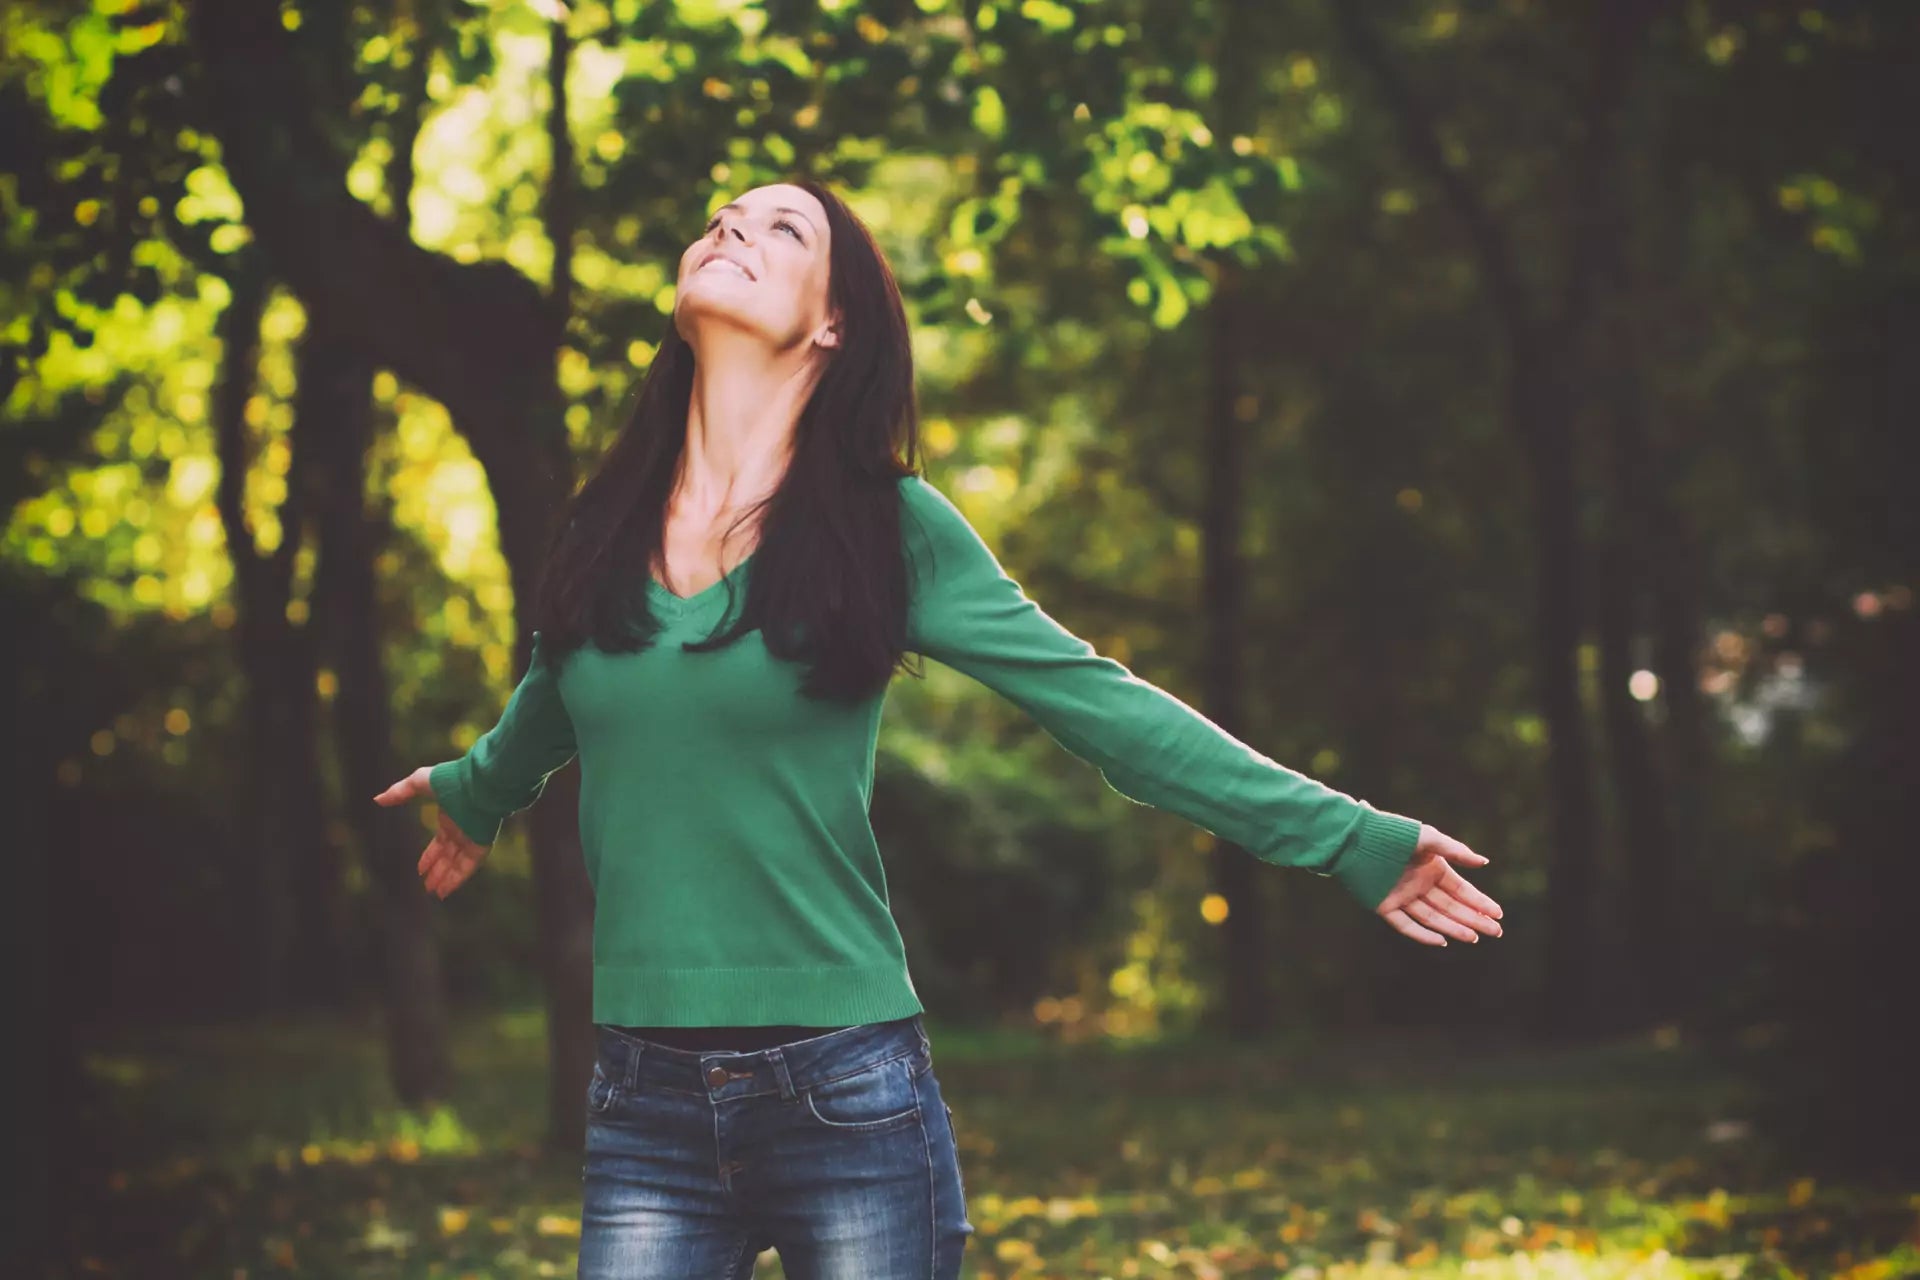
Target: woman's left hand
1431 896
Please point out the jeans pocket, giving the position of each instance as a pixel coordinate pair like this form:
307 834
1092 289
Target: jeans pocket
873 1100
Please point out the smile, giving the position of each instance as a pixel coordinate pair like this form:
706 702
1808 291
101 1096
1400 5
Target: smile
727 263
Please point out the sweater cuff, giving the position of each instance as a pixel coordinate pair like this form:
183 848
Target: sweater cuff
1377 854
454 795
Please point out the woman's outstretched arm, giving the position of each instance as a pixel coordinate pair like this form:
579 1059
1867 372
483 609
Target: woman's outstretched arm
507 769
1149 745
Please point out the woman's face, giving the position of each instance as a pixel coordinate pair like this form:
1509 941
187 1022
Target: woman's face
762 266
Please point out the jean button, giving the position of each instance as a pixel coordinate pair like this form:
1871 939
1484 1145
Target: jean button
716 1076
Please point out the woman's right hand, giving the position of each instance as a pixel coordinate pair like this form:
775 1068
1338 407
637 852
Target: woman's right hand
450 856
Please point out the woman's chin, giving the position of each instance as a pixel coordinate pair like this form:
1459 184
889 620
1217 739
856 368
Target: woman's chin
697 312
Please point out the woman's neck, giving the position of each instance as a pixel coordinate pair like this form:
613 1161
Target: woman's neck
741 421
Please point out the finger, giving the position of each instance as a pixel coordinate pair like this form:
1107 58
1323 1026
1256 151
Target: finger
1422 911
397 793
437 854
1404 923
460 865
456 875
1457 851
1416 880
1460 887
443 858
447 872
1441 900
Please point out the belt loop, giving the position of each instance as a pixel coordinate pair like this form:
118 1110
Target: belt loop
635 1048
920 1029
779 1061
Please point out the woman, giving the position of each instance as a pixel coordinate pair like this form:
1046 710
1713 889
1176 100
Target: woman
764 1077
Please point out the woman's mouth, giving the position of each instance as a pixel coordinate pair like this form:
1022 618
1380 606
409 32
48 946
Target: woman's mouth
721 260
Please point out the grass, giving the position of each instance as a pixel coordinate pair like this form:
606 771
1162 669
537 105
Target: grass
275 1149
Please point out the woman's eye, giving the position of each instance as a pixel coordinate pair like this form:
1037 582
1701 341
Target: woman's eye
793 230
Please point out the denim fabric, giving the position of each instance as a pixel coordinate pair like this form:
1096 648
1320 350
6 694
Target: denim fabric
837 1151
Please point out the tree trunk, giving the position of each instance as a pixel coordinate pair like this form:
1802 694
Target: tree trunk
1539 415
1233 872
1685 744
298 935
1647 850
336 385
49 1085
478 337
1686 738
1640 525
564 898
1545 364
259 631
320 969
1641 530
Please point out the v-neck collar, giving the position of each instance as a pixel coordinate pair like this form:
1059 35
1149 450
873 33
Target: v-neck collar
679 605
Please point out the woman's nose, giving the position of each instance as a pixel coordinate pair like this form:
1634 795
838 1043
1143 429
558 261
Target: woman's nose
721 232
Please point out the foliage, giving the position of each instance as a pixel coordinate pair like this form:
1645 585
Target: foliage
1063 188
276 1150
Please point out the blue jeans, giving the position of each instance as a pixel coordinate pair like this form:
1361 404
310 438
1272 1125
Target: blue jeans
837 1151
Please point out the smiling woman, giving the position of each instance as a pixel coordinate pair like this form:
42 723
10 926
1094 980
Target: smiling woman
762 268
721 610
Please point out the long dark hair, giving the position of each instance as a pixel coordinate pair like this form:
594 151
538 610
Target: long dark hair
828 585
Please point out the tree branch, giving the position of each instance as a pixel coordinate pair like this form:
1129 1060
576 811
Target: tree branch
560 202
247 285
1490 242
459 332
1593 224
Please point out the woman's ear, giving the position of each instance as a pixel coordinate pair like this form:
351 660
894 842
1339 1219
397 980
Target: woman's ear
829 335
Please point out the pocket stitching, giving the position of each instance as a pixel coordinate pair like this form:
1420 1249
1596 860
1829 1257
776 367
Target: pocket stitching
859 1125
862 1070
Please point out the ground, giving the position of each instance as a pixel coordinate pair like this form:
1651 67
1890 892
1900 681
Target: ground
271 1150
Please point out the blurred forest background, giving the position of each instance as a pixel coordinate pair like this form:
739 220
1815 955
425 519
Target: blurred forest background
1501 410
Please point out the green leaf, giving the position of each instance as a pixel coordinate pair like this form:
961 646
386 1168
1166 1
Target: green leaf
989 113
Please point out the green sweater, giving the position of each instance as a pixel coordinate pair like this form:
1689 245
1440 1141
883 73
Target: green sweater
724 818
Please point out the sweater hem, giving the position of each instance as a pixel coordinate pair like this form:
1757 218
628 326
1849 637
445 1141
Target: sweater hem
1380 849
451 793
814 996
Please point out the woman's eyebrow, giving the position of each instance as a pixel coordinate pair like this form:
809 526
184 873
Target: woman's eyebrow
735 204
